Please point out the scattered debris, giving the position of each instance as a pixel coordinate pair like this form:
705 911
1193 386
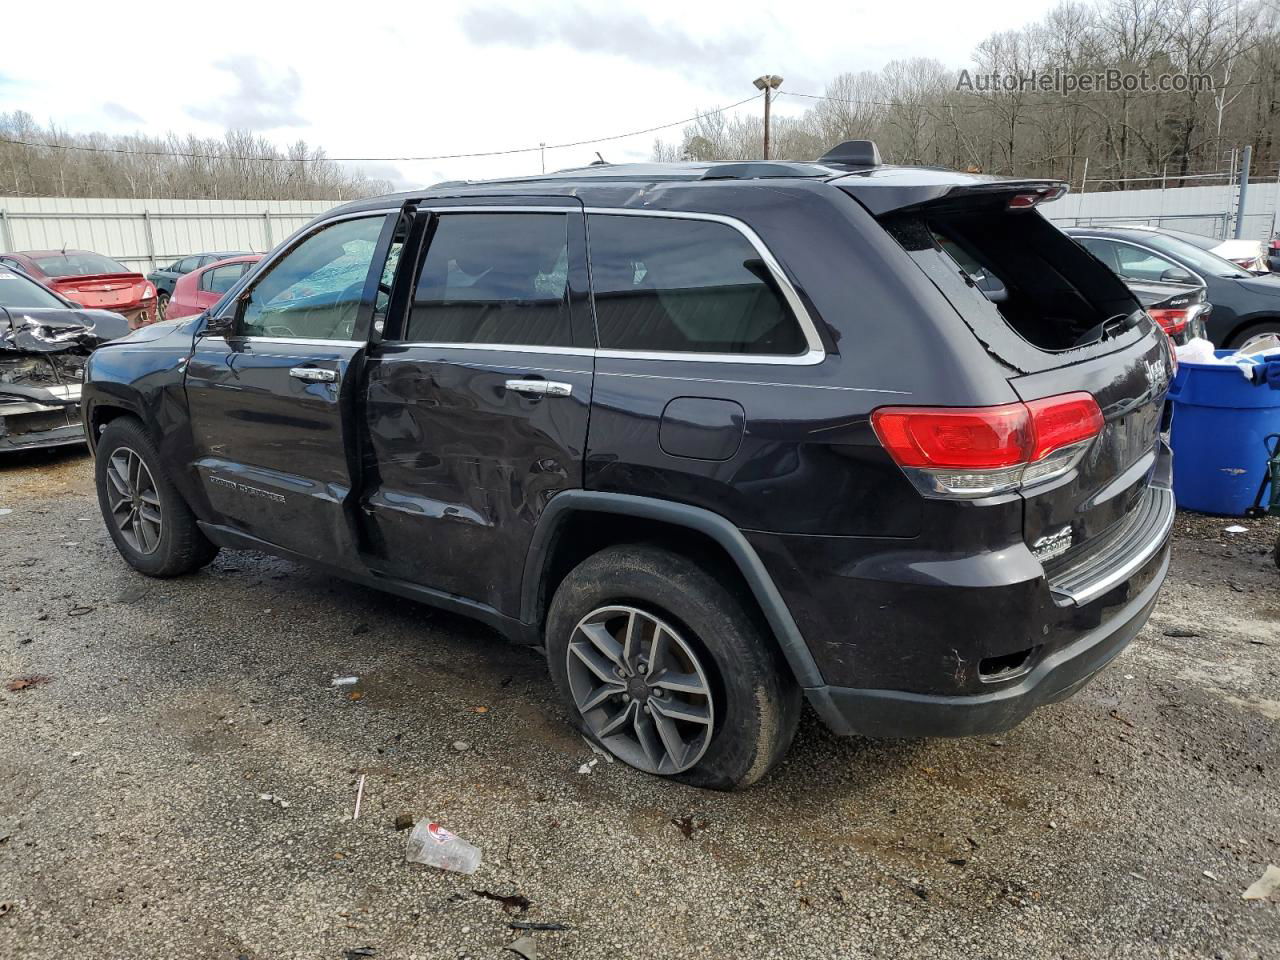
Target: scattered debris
356 695
515 903
1259 642
534 925
524 947
284 804
688 825
1180 632
79 611
1235 528
1210 875
957 861
1236 587
1115 715
5 511
344 681
5 908
24 683
355 953
1266 887
359 797
435 846
461 746
480 709
586 767
404 821
359 628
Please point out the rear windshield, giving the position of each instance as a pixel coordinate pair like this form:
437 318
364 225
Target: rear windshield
1019 268
19 293
78 265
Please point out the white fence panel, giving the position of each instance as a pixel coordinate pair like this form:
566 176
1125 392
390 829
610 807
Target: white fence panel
144 234
1210 211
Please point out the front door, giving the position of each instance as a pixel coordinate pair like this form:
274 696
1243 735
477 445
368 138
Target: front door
273 403
478 395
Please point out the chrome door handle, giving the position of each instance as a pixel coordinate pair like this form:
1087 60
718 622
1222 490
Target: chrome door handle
314 374
541 388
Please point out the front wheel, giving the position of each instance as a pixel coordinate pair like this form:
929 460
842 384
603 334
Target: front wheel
664 665
162 305
149 522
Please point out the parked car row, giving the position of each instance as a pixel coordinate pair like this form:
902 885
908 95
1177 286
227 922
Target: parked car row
57 306
1243 304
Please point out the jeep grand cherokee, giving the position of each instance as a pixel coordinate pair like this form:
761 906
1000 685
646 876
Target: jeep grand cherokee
720 437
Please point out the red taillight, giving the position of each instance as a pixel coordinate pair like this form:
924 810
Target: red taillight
1171 321
957 438
1020 201
1058 422
976 451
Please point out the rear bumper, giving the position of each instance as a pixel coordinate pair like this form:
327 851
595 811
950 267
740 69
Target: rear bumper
894 713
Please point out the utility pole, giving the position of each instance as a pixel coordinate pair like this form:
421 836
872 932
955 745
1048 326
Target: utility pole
768 83
1244 188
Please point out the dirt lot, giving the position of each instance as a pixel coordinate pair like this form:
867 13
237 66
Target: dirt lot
1124 822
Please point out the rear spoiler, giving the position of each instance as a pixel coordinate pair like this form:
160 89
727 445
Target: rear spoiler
900 189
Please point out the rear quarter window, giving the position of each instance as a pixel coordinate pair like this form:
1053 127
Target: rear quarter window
675 285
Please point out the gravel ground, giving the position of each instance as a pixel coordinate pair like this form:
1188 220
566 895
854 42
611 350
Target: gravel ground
1124 822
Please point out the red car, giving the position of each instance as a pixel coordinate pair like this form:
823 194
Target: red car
200 289
90 280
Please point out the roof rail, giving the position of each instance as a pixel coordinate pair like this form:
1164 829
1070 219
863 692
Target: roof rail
853 153
754 169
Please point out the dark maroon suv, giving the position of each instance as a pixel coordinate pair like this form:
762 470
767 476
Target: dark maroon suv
720 437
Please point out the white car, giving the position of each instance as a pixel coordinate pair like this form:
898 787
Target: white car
1249 254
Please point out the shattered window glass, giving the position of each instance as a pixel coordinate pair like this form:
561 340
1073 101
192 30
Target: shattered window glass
314 292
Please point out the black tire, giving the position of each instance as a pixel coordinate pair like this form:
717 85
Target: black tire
178 547
755 701
162 305
1254 330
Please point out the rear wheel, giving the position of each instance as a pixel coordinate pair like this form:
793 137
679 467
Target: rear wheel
664 666
162 305
150 523
1255 330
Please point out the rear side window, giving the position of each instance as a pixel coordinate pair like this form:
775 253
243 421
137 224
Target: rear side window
494 278
221 279
665 284
19 293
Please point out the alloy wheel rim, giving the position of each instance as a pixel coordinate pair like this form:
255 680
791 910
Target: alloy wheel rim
641 689
134 500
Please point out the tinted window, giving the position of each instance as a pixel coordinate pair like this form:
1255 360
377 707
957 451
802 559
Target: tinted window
78 265
667 284
1131 262
221 279
18 293
1201 260
494 278
314 291
187 265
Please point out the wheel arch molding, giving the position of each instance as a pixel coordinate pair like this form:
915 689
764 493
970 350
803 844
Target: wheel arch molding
564 508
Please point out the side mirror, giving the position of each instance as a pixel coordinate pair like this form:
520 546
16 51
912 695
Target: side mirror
220 326
1174 275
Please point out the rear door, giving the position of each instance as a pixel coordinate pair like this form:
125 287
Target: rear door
272 405
216 281
478 394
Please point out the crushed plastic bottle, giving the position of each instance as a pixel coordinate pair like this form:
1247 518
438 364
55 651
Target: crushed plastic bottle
435 846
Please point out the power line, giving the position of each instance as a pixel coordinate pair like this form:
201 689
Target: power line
441 156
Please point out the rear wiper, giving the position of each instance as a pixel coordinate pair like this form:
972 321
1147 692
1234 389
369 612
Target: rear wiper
1120 323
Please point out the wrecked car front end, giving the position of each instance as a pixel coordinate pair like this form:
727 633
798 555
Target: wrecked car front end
42 359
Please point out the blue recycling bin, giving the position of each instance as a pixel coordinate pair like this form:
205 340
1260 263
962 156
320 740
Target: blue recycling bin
1220 420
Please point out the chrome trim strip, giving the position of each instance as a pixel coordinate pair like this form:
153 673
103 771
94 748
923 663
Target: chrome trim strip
510 347
1133 563
303 341
813 355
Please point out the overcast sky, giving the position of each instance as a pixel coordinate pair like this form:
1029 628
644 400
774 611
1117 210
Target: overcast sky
388 78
